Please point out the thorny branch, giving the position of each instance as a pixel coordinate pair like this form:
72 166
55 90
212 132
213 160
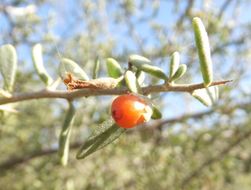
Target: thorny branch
70 95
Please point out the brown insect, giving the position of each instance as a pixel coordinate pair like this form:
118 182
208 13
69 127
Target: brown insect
101 83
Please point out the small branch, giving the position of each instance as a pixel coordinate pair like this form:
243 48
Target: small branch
102 92
159 124
69 95
221 109
4 166
186 13
224 8
180 87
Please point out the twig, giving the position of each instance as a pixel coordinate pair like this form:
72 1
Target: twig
224 7
69 95
186 13
221 109
10 163
159 124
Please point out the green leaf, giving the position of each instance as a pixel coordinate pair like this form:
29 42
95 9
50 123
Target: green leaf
143 64
156 113
207 96
174 63
140 77
96 69
99 140
213 93
64 138
203 48
138 59
54 84
132 82
68 66
113 68
179 73
37 57
8 65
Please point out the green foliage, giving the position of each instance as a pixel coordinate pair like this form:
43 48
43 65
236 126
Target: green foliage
132 82
99 140
179 73
64 138
37 57
158 156
143 64
68 66
8 65
174 64
140 77
156 113
96 69
203 49
207 96
69 70
113 68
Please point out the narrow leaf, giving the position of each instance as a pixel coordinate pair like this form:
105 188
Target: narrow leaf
203 48
37 57
8 65
207 96
132 82
156 113
140 77
174 63
113 68
96 69
55 84
64 138
68 66
99 140
213 93
179 73
143 64
138 59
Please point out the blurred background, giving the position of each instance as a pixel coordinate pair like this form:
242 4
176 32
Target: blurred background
191 147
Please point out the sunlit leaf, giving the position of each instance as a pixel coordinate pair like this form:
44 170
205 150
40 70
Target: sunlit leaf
64 138
113 68
96 69
68 66
144 64
140 77
179 73
174 64
203 48
132 82
99 140
37 57
8 65
207 96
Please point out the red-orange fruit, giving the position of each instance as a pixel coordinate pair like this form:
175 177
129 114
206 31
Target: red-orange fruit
130 110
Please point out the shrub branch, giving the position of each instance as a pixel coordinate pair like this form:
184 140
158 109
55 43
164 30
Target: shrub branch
70 95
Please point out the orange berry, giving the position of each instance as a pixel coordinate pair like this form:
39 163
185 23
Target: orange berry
130 110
